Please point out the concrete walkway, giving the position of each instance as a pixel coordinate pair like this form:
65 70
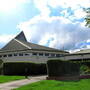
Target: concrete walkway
18 83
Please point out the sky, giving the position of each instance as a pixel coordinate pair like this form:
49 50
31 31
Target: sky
54 23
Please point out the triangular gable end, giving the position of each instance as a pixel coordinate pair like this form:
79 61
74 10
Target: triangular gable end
21 37
17 41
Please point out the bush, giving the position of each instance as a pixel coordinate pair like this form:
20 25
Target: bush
1 66
84 69
54 68
62 68
24 68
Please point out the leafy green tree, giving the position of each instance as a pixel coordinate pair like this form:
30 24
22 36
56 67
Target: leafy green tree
87 17
84 69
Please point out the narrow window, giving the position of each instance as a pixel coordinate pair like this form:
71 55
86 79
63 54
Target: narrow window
26 54
52 55
4 55
20 54
46 54
9 55
57 55
40 54
0 56
15 54
34 53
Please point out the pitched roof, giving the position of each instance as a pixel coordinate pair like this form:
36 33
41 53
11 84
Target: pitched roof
13 45
40 47
20 43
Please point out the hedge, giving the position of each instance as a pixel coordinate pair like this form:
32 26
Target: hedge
24 68
62 68
1 66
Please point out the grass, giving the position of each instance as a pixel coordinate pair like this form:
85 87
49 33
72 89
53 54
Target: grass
4 79
83 84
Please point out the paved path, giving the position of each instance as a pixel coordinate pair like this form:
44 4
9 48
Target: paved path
18 83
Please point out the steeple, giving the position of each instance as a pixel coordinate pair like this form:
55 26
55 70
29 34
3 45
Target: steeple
21 37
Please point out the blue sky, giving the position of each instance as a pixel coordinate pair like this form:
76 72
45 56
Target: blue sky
53 23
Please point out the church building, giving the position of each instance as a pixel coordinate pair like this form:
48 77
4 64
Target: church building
20 50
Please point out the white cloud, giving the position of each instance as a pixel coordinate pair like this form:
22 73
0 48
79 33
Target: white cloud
79 13
74 4
11 5
23 1
5 39
62 32
47 39
42 5
88 45
57 31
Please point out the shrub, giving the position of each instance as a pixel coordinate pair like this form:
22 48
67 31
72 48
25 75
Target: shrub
24 68
62 68
1 66
54 68
84 69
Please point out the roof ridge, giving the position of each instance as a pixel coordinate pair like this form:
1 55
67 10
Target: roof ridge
22 43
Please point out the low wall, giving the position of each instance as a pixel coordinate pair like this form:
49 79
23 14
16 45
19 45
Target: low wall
69 78
84 77
64 78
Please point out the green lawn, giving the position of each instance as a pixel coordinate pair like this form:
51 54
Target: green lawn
10 78
57 85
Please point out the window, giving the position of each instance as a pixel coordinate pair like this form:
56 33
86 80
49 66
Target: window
26 54
40 54
52 55
20 54
0 56
46 54
58 55
34 53
9 55
15 54
4 55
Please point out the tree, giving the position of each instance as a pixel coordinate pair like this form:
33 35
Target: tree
88 17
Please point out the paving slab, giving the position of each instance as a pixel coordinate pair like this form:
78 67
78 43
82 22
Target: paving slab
18 83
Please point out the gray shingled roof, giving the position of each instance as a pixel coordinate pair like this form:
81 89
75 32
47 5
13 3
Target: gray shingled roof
13 45
22 45
36 46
